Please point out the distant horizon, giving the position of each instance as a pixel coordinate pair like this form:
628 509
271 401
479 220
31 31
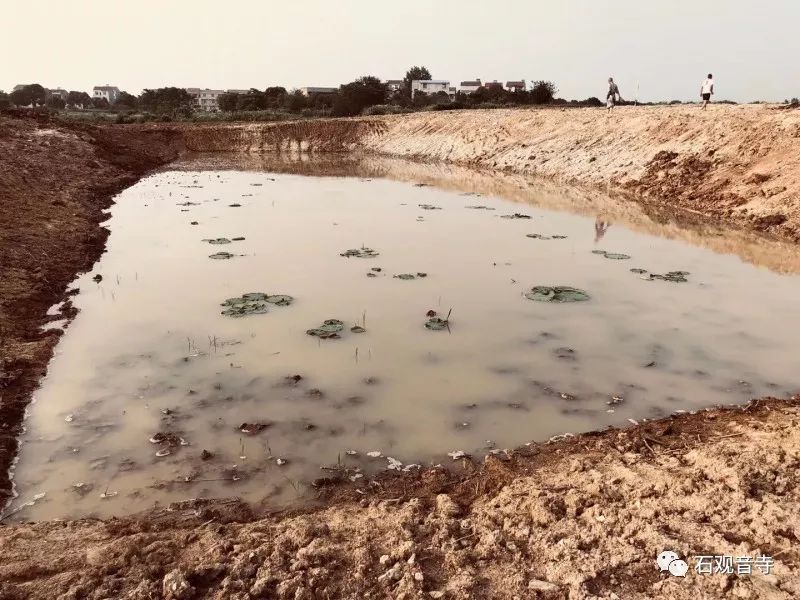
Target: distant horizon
659 53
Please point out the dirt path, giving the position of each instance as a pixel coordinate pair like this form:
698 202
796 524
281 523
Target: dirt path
580 518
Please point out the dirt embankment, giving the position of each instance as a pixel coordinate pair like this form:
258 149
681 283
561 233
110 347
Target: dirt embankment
55 183
581 518
740 164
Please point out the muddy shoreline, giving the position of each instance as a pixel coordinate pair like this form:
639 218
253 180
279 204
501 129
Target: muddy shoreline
55 182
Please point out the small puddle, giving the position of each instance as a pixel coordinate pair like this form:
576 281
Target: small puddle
346 330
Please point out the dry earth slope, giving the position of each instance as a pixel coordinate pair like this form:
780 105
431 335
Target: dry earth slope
740 164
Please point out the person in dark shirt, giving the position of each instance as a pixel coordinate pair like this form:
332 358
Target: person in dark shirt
613 95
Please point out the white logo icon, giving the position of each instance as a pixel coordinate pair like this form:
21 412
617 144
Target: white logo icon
670 561
666 557
678 568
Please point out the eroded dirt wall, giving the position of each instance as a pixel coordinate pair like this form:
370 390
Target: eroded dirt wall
739 164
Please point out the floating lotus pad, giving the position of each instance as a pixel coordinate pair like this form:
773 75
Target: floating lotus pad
221 255
362 252
254 303
543 293
480 207
429 207
328 330
405 276
358 329
515 216
639 271
611 255
220 240
437 324
674 276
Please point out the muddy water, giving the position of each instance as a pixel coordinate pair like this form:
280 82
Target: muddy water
150 352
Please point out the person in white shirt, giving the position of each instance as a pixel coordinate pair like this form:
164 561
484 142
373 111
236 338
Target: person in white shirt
706 90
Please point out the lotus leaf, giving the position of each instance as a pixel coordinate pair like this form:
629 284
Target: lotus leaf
515 216
244 307
329 329
543 293
220 240
404 276
254 303
437 324
221 255
362 252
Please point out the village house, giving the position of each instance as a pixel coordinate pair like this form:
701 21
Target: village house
493 85
468 87
429 86
515 86
58 93
109 92
318 91
395 85
205 99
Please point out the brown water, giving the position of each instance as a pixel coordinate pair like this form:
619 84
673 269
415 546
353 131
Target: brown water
150 351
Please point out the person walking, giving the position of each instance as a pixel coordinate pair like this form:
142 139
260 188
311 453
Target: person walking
613 96
707 90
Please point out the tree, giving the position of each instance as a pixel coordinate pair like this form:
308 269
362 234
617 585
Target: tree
100 103
252 100
125 100
415 73
166 100
81 99
228 102
543 92
29 95
358 95
55 102
275 96
4 100
296 101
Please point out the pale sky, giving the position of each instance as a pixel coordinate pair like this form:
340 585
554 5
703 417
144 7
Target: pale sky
665 47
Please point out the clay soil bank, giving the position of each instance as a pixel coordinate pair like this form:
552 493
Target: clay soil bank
581 518
739 164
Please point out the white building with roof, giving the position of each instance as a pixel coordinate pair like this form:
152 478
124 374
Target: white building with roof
109 92
205 99
429 86
468 87
318 91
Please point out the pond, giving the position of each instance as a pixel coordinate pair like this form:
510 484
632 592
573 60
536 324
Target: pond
250 326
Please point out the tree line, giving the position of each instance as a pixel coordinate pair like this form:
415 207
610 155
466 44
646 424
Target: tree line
364 95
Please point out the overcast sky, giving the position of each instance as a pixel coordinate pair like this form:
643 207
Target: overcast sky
663 47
